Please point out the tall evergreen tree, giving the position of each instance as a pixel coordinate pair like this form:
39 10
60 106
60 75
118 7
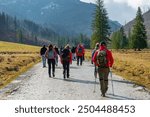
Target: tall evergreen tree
129 39
36 40
123 39
15 23
20 36
119 40
139 32
114 41
100 24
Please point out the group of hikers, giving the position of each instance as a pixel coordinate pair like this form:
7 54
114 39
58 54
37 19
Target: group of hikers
66 55
101 57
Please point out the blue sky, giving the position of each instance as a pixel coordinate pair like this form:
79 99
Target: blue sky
123 10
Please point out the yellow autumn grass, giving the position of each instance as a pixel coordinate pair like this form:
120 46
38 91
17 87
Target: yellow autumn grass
14 47
16 59
134 66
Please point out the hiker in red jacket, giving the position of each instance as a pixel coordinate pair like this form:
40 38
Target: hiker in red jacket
80 53
103 60
66 60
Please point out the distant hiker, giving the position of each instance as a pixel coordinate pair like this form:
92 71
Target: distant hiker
73 50
42 53
79 54
93 52
103 59
57 51
51 56
66 60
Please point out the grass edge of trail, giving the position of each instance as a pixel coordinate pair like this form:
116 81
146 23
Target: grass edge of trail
21 71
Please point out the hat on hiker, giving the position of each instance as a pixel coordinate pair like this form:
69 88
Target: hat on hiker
67 46
103 43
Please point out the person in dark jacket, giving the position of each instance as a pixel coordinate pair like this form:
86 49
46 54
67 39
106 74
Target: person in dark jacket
51 56
103 63
42 53
66 60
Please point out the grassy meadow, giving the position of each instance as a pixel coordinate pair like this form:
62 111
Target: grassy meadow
16 59
132 65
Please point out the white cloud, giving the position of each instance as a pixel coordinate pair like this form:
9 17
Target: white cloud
88 1
132 3
135 3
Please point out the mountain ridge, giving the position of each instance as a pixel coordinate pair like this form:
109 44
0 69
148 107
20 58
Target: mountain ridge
146 16
72 16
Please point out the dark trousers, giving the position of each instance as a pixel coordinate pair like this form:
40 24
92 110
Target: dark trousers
79 58
51 64
66 65
103 78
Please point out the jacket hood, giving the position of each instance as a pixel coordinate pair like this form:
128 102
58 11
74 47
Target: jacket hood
102 47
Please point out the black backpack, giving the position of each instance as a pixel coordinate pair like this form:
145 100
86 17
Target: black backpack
65 55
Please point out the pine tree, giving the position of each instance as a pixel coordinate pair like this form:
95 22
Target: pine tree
15 23
100 24
123 39
36 40
19 35
119 40
130 39
114 41
139 32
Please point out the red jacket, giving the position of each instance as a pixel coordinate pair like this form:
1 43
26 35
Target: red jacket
108 57
70 58
83 51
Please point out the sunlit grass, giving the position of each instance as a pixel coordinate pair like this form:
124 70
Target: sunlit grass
15 59
14 47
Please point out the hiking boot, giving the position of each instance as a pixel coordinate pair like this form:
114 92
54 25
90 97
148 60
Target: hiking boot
53 74
103 95
64 76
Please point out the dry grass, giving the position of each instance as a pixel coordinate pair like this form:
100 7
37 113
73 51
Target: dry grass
15 59
88 54
134 66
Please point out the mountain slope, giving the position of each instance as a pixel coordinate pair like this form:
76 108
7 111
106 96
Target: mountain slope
71 16
146 17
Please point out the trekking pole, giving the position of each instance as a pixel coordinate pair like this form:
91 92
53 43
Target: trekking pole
112 83
94 86
95 75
